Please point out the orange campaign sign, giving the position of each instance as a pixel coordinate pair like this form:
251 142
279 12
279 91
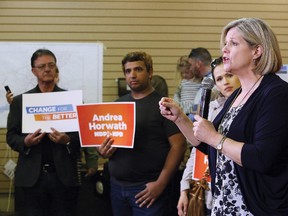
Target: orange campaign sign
200 165
98 121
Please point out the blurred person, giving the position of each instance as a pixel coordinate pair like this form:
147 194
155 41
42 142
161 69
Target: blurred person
226 83
160 85
189 85
247 143
140 176
90 162
200 60
47 162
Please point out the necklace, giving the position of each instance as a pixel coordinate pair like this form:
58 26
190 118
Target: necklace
245 94
220 129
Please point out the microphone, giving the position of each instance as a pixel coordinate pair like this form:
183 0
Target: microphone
207 85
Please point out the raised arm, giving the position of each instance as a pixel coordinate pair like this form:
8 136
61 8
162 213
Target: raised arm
170 110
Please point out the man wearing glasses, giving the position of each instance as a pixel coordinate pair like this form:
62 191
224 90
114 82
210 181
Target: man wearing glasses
47 164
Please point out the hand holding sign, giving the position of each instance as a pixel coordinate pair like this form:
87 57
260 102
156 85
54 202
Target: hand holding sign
99 121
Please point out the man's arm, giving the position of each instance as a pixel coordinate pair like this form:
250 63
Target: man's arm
14 136
154 189
91 159
174 158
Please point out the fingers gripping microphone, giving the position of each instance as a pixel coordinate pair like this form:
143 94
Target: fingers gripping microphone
207 85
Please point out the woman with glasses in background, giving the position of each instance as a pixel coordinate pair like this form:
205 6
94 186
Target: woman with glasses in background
226 83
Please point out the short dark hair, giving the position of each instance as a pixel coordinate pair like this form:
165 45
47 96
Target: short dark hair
201 54
138 56
41 52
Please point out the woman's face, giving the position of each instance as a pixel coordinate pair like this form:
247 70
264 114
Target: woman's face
237 54
226 82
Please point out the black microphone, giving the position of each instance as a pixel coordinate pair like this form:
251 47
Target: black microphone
207 85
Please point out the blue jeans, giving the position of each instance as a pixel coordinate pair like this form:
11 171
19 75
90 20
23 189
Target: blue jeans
124 202
50 197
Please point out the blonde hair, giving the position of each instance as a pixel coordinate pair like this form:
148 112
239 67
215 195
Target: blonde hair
257 32
182 62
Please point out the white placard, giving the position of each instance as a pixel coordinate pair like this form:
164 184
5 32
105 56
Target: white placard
54 109
283 73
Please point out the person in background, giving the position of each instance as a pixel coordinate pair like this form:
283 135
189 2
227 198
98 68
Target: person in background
47 163
140 176
90 155
90 162
160 85
189 85
200 60
247 143
226 83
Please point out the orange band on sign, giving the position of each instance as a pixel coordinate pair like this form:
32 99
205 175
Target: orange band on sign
98 121
55 116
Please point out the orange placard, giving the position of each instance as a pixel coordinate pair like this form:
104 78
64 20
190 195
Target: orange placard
200 165
97 121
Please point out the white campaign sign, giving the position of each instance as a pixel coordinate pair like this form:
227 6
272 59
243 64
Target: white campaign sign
55 109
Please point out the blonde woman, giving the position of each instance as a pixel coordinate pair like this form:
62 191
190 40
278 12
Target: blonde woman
226 83
247 143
